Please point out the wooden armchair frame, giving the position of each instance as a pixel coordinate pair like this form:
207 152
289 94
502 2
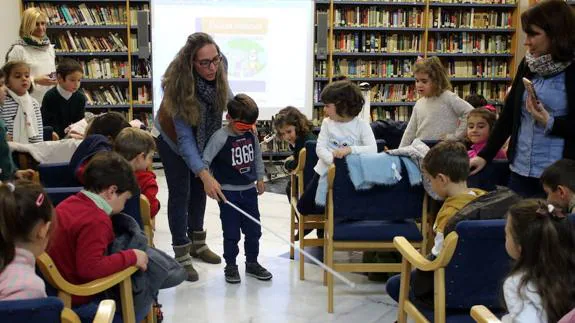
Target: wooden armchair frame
302 221
332 246
482 314
412 258
67 289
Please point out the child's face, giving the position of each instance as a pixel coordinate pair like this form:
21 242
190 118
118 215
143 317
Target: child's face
288 133
19 80
438 183
477 129
40 30
423 84
330 111
2 91
560 197
71 82
513 249
143 161
118 201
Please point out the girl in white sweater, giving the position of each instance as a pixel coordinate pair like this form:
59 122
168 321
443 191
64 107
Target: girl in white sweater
541 284
342 133
35 49
439 113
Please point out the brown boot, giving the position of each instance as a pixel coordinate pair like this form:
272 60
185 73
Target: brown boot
182 255
200 249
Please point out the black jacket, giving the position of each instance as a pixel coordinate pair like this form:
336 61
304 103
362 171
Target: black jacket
510 119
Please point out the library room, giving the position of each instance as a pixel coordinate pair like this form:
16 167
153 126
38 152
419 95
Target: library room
287 161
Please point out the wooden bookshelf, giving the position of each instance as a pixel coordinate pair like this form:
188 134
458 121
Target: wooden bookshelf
101 35
378 42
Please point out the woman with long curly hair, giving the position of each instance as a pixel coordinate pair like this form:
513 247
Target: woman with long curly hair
196 91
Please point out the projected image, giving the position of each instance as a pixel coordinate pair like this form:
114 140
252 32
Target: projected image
244 42
268 46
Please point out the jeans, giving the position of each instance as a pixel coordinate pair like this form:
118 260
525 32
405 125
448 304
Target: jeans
526 187
186 196
233 221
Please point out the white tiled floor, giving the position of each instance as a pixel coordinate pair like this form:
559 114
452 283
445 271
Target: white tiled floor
283 299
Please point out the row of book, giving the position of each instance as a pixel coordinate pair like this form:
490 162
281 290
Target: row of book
393 92
488 67
402 113
68 42
469 18
106 95
469 43
88 14
104 68
376 16
376 42
476 1
397 67
144 94
493 91
142 68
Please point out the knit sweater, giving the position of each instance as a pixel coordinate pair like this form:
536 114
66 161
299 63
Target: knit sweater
149 187
59 113
80 240
19 281
438 117
42 61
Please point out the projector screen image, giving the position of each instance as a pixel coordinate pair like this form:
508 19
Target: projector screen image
268 45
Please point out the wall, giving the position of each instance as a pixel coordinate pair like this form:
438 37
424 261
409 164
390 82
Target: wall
10 18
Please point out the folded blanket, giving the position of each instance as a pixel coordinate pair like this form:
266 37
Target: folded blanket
367 170
58 151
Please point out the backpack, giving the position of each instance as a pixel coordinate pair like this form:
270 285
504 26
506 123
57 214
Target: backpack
492 205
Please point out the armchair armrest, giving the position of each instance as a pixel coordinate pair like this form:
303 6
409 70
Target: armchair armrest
482 314
69 316
419 261
106 311
53 276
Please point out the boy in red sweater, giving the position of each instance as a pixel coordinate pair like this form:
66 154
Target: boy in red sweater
83 228
138 146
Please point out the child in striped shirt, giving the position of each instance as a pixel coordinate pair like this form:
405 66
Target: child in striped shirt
20 111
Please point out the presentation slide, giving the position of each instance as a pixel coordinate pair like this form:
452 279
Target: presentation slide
268 45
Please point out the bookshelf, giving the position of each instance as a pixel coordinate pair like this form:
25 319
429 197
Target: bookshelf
378 42
102 36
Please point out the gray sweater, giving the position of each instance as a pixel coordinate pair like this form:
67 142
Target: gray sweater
438 117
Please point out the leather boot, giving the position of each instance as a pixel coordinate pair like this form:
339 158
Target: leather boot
182 255
200 249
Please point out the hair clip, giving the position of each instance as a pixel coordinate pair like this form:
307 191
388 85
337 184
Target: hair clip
11 187
40 199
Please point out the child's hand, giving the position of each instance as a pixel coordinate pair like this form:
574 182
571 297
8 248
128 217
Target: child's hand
261 187
342 152
141 259
24 174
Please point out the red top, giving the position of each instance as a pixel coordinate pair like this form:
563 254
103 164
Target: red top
79 242
149 187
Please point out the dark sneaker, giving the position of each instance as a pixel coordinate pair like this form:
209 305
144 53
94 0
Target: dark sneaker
254 269
232 274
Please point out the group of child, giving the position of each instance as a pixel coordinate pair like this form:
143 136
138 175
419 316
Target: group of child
25 117
538 235
537 232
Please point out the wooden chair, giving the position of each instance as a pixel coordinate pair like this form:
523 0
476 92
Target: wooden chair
50 310
66 289
368 220
147 220
482 314
300 177
469 270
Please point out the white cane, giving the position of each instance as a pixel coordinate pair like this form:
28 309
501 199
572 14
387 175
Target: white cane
319 263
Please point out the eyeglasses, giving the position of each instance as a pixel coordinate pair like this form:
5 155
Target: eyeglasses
205 63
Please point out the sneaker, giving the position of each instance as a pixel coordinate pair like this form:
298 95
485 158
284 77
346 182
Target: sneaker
254 269
232 274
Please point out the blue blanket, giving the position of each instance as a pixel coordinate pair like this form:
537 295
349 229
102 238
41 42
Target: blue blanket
367 170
